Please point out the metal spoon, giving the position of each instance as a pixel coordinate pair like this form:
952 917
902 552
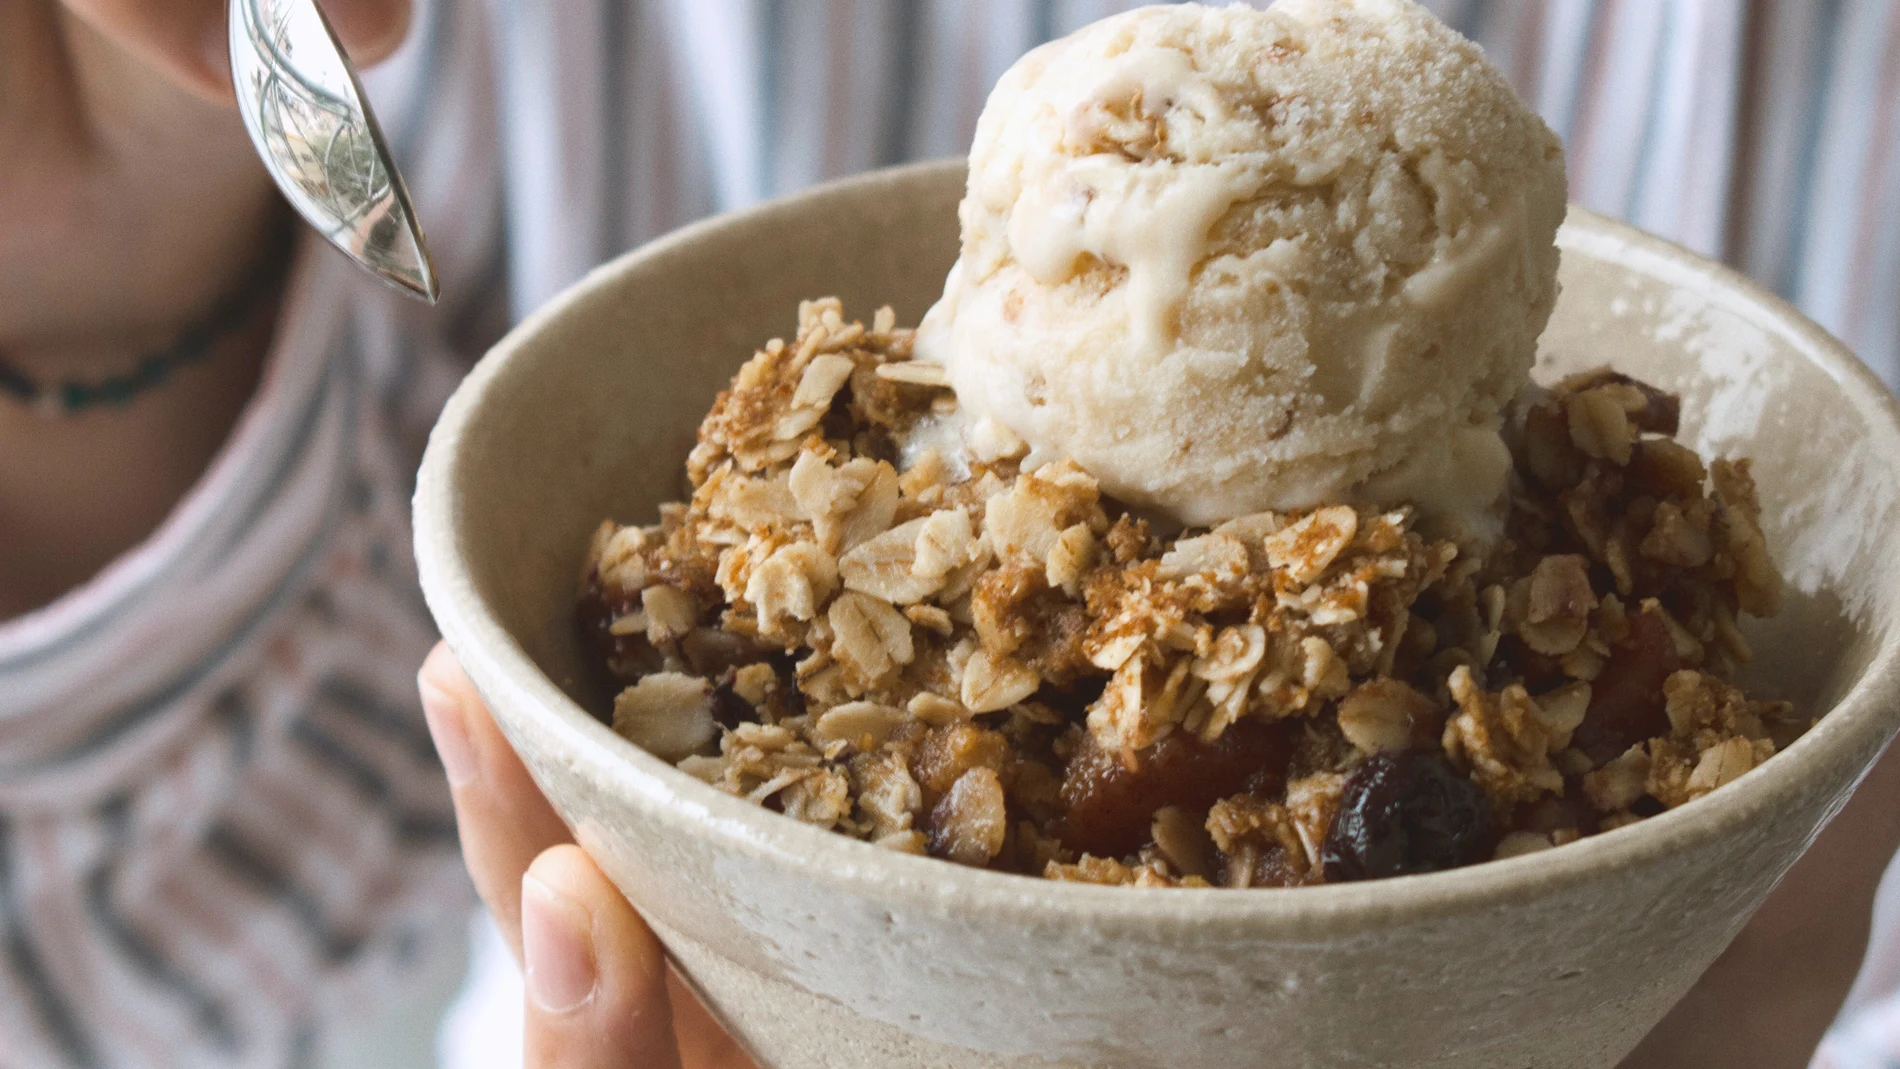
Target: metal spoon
307 115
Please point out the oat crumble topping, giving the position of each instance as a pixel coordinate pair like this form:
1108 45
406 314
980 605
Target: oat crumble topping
1006 669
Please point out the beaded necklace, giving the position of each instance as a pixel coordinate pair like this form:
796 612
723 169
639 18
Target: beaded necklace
67 397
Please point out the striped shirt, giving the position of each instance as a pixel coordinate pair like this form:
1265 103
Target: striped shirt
221 827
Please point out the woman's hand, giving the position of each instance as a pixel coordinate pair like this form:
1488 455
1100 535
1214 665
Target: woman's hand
1765 1003
599 992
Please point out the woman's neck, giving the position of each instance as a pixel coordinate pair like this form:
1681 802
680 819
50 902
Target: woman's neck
78 490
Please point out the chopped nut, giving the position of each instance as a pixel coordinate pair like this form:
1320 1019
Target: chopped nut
1573 762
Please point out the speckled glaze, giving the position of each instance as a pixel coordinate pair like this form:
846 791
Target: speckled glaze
822 951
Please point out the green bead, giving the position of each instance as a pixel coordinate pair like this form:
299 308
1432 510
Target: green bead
74 396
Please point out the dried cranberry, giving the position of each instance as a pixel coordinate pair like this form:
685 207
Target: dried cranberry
1109 808
1407 812
1626 698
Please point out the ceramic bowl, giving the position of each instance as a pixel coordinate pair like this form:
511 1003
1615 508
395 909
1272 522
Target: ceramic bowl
818 950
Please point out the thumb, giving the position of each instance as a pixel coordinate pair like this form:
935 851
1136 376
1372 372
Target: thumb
595 975
188 40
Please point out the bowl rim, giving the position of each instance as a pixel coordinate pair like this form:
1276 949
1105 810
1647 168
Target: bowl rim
1862 721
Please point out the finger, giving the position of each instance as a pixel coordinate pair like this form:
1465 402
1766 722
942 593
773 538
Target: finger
188 40
595 977
502 817
703 1042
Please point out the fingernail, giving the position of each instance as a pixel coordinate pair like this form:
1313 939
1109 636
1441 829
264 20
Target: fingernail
446 727
558 947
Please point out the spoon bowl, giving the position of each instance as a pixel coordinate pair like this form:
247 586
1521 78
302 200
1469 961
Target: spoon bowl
312 126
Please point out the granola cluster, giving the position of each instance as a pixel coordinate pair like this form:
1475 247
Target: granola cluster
944 653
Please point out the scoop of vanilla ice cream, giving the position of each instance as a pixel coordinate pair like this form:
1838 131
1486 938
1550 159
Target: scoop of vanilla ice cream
1231 260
